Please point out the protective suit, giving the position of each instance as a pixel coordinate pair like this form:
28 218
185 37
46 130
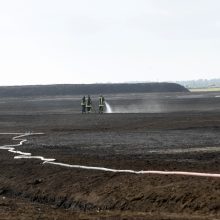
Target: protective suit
89 104
101 104
83 104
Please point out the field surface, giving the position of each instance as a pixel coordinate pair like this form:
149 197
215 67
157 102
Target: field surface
158 132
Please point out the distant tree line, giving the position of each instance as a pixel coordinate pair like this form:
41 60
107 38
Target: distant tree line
201 83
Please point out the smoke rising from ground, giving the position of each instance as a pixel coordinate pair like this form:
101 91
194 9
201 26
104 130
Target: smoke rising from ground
140 107
163 103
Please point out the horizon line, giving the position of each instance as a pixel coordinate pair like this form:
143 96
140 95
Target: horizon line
126 82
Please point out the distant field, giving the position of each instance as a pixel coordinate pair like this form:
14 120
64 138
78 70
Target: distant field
205 90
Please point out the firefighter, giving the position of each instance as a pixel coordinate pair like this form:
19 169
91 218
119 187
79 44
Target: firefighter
83 104
101 104
89 104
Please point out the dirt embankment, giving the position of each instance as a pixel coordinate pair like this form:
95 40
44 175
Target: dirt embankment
84 89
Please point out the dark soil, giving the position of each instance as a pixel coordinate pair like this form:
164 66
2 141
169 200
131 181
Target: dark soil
184 141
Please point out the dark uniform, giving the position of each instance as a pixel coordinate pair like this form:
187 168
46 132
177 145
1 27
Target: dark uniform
89 104
101 104
83 104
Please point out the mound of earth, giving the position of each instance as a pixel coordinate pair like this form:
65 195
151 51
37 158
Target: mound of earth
78 89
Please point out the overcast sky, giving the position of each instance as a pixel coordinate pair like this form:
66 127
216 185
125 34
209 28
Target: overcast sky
89 41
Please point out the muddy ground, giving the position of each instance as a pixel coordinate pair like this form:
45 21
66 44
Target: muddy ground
181 132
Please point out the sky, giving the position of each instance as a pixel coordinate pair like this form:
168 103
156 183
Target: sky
99 41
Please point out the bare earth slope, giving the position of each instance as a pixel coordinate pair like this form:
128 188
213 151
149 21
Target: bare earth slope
171 141
79 89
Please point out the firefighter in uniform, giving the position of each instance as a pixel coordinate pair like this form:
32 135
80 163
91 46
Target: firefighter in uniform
89 104
101 104
83 104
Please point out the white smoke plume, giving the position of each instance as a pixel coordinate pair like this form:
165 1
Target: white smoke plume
135 108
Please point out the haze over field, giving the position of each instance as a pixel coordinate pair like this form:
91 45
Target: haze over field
70 41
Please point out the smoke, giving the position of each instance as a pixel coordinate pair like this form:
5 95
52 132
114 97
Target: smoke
152 107
139 108
158 103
